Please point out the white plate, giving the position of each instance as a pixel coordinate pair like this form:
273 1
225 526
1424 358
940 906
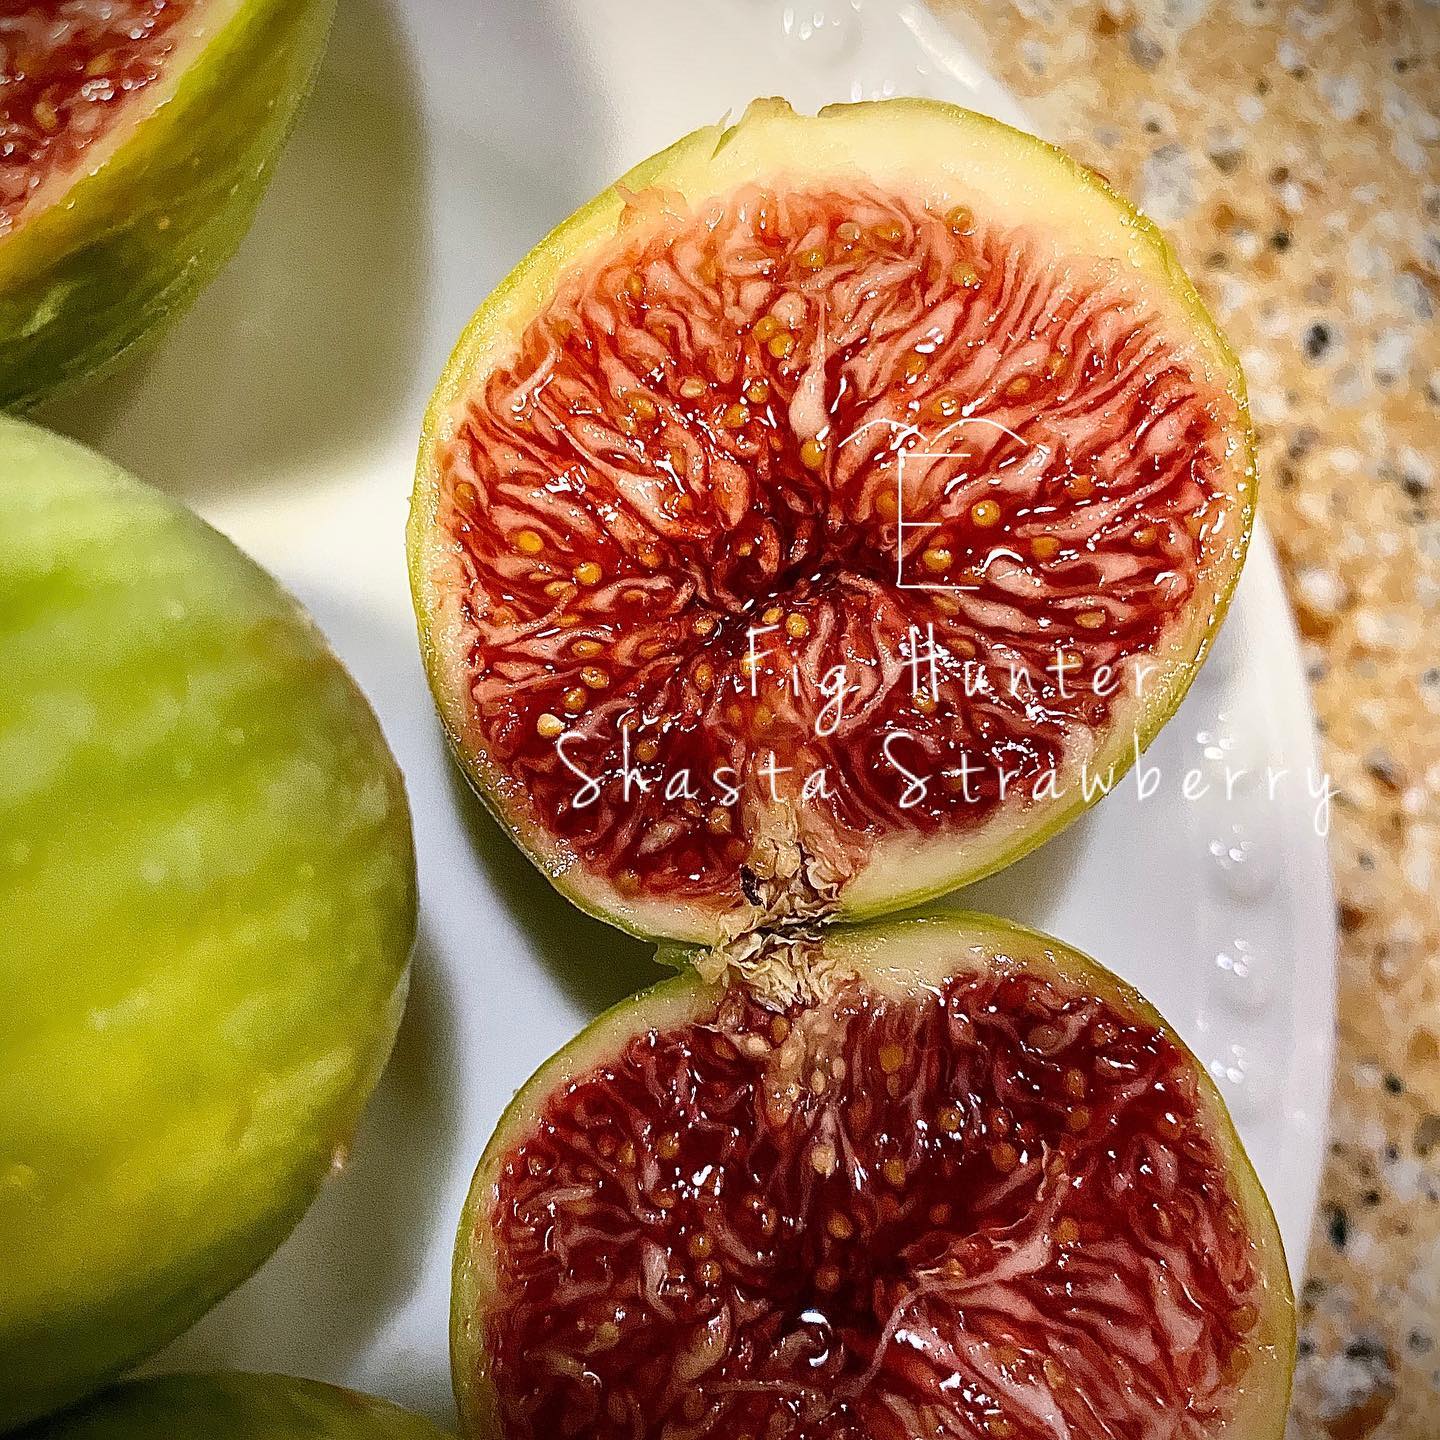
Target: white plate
446 136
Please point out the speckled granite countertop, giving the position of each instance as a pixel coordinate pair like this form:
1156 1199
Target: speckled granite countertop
1293 153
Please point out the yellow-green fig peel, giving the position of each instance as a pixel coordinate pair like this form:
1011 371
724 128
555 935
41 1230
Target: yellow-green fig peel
138 137
207 899
233 1407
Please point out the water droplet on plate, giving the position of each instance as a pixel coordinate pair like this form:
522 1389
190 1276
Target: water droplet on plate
827 31
1240 977
1243 866
1244 1082
1216 741
1233 758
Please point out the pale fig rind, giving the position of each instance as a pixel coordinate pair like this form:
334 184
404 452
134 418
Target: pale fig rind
136 237
916 952
233 1407
208 897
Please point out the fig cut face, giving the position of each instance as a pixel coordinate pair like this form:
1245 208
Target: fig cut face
981 1190
136 138
805 522
74 72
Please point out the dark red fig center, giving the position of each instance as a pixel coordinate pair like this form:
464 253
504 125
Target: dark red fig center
67 68
991 1209
753 470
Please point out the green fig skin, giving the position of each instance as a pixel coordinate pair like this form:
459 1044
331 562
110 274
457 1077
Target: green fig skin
207 899
135 240
233 1407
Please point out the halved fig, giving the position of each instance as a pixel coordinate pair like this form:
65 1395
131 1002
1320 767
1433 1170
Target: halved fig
821 516
233 1407
207 899
976 1188
136 138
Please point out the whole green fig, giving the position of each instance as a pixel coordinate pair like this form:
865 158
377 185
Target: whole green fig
207 905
